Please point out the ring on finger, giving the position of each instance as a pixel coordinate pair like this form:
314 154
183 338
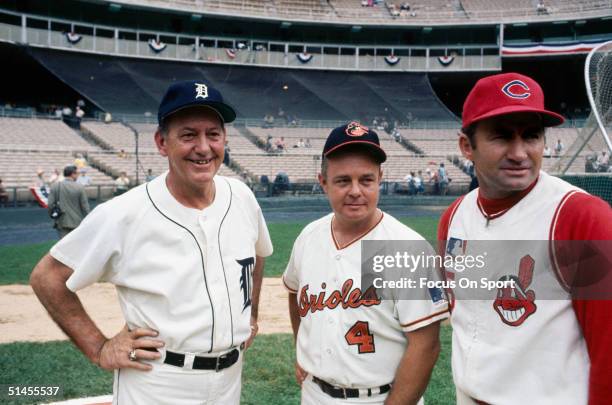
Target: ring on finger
132 355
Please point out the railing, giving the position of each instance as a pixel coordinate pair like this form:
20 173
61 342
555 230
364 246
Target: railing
53 33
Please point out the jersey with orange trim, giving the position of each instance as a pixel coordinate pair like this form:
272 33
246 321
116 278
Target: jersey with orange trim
348 337
519 346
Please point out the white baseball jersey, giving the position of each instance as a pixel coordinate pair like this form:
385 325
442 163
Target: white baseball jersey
348 342
516 346
184 272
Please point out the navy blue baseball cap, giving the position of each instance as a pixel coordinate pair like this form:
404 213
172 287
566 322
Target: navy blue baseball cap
194 93
354 133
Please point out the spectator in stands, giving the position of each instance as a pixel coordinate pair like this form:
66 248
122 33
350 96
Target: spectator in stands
122 183
300 143
281 183
546 152
418 183
150 176
603 161
443 179
40 181
410 180
473 178
247 179
80 161
122 154
83 178
405 6
72 201
55 177
4 197
280 144
226 153
79 113
269 145
57 112
590 165
559 148
541 8
307 144
108 118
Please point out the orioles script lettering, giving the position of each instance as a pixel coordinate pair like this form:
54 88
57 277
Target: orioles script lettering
347 296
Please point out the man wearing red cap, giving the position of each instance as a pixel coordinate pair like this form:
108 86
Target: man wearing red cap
525 342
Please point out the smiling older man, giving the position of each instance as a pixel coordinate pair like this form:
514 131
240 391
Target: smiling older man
186 253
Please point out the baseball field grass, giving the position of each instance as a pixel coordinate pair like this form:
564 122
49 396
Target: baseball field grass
16 262
268 373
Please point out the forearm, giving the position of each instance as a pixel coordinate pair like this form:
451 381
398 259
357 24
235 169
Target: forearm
257 281
48 280
294 314
413 372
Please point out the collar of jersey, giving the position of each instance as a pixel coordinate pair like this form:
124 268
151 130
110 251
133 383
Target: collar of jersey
338 247
495 208
176 211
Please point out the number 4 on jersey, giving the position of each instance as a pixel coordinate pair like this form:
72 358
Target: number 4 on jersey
359 334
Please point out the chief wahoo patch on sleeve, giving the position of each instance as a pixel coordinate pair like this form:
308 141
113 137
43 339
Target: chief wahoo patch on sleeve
515 304
246 280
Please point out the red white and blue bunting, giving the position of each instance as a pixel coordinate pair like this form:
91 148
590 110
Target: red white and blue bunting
73 37
550 48
446 60
304 57
392 60
41 194
156 45
231 53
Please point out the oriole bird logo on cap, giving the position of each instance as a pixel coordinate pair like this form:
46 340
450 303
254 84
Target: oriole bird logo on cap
356 129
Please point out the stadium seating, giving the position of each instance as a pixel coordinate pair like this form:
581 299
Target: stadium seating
352 10
309 94
40 134
114 164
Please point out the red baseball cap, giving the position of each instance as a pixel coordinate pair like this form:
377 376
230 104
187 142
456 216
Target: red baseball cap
506 93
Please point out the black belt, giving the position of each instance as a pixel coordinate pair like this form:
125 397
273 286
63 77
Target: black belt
339 392
204 363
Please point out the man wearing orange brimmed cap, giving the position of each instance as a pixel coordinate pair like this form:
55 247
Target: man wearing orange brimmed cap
353 345
542 334
186 252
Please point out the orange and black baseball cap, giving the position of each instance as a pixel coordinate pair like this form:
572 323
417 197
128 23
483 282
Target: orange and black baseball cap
506 93
354 133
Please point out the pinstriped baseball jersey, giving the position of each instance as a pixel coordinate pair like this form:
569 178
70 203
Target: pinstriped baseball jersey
184 272
348 337
520 348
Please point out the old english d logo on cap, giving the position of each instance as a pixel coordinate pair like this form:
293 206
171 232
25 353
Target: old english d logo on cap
356 129
201 90
516 89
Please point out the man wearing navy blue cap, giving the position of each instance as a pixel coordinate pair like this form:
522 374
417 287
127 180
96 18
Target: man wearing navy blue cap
186 253
350 344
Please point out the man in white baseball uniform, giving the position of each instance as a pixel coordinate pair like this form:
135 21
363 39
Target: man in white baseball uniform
186 254
534 340
352 346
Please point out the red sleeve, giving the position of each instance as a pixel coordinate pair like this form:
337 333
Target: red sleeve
444 224
588 218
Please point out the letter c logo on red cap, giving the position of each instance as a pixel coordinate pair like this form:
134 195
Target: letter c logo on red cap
516 89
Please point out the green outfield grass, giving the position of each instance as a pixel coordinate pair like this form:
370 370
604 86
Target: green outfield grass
16 262
268 371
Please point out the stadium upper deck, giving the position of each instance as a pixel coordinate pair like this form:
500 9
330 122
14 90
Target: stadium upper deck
390 11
